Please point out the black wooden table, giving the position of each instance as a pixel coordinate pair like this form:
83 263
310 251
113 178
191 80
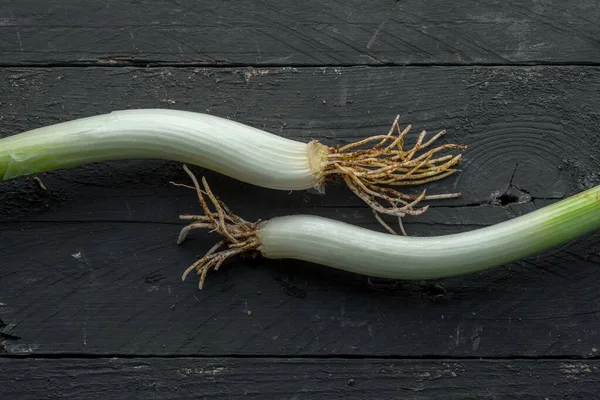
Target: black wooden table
91 301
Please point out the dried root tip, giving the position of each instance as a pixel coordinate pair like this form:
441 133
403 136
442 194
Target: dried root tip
239 236
39 182
370 171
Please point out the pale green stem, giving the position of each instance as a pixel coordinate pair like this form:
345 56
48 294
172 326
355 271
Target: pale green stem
224 146
359 250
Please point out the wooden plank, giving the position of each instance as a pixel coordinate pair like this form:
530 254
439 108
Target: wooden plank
90 265
226 378
293 33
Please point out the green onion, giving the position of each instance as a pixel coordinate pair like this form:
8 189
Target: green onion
350 248
239 151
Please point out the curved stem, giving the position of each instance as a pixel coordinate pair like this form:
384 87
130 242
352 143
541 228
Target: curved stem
233 149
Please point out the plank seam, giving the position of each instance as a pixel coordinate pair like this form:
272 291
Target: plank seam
50 356
192 64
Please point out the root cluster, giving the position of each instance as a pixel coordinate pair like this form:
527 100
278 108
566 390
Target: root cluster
239 235
371 173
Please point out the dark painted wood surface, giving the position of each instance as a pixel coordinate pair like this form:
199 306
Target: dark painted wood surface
91 265
89 271
226 378
290 32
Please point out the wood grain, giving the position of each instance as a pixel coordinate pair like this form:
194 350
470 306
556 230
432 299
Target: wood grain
91 304
226 378
293 33
90 265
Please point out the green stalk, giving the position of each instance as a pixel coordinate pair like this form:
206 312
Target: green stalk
359 250
350 248
224 146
